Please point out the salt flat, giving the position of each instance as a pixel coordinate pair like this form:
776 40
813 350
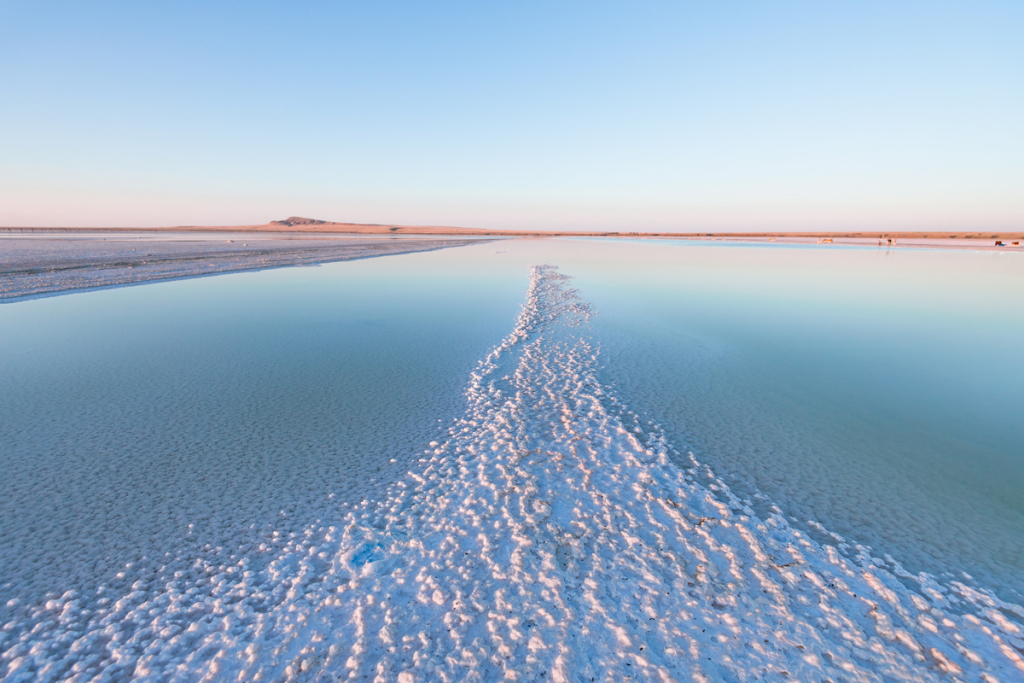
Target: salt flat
549 534
333 473
45 264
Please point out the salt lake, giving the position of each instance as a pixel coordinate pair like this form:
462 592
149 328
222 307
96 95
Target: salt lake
164 445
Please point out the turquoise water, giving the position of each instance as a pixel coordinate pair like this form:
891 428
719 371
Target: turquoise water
876 393
145 426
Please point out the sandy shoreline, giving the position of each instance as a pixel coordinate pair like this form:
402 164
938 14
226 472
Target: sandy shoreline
46 264
967 243
305 228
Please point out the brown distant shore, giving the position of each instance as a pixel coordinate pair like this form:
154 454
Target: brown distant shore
313 226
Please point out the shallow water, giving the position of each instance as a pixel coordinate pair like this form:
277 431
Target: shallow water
878 392
230 420
186 416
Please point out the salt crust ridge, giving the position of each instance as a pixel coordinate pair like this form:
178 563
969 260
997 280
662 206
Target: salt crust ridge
551 537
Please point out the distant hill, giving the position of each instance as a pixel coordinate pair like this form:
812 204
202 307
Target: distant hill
298 220
316 225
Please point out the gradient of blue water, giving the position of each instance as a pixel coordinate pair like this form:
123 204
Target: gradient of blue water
151 424
877 392
880 393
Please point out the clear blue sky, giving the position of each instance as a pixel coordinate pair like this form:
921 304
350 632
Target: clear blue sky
606 115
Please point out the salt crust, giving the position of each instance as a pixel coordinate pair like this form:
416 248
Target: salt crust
551 537
45 266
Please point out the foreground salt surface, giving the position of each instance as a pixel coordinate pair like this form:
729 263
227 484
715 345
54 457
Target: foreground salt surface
551 537
46 264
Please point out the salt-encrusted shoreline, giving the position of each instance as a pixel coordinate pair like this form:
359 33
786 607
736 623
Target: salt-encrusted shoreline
552 536
48 265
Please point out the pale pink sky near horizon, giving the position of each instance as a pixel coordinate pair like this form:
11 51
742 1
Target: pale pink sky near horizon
563 116
164 210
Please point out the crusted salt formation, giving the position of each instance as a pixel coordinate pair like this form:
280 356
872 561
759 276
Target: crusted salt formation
551 537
